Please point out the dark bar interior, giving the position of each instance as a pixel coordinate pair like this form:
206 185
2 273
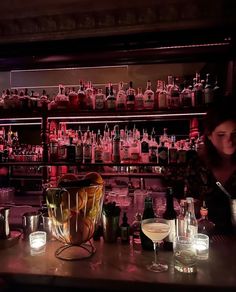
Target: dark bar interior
107 111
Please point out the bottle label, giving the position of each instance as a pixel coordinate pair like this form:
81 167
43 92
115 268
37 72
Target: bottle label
144 147
163 155
79 152
99 102
87 152
124 233
98 155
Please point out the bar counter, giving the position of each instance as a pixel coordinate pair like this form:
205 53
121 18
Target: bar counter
114 267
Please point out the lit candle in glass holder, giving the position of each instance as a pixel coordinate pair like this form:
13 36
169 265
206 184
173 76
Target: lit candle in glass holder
38 241
201 243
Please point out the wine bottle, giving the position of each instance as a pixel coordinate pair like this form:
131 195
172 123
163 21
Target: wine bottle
148 212
170 215
124 229
190 221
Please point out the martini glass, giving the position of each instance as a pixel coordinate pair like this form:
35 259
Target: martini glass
156 229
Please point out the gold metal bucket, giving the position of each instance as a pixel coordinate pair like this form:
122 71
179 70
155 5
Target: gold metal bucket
75 212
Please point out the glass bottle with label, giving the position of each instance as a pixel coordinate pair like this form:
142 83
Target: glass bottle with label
116 145
198 91
79 146
180 219
130 97
170 215
153 147
139 100
148 212
205 226
145 148
99 100
98 149
148 97
190 221
182 154
106 143
111 99
162 154
89 92
186 96
208 91
161 95
172 153
135 229
82 101
121 98
124 229
70 151
87 147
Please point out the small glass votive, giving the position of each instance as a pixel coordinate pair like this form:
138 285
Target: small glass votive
201 242
37 241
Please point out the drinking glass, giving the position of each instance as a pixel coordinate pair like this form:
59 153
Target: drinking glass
156 229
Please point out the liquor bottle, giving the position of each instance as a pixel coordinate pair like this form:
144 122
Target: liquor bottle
186 96
145 148
148 212
79 147
217 92
53 146
134 146
139 100
130 97
153 147
111 99
192 151
182 154
121 98
124 229
170 215
126 147
162 151
98 149
173 99
205 226
106 144
116 145
2 139
82 100
161 95
89 96
135 229
190 221
148 97
73 99
199 93
208 91
180 231
87 147
71 151
172 153
99 100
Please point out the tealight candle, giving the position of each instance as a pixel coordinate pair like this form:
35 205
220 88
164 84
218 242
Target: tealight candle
38 240
202 246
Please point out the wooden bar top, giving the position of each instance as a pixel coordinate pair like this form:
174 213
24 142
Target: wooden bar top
114 267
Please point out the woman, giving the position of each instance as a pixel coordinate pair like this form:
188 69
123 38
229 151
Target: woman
211 175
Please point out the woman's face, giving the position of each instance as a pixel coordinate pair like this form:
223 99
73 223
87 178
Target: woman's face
224 137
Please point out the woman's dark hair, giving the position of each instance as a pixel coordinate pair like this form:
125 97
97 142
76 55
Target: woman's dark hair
221 111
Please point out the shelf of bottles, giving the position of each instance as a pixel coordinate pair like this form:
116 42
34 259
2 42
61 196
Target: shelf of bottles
120 147
171 99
